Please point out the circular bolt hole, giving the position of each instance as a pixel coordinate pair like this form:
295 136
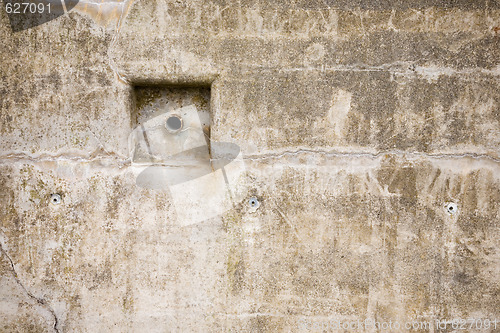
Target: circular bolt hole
55 199
174 123
451 208
254 202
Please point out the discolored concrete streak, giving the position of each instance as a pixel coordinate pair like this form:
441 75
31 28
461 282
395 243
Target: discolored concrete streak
359 123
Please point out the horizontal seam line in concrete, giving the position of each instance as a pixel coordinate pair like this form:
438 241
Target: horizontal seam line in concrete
19 157
389 68
400 67
370 155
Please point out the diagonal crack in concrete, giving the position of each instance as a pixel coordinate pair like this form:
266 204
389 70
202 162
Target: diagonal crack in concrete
39 301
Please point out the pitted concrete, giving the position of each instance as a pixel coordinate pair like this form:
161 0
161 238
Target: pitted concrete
358 121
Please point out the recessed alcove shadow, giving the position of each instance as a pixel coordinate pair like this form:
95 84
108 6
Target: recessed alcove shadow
170 123
153 100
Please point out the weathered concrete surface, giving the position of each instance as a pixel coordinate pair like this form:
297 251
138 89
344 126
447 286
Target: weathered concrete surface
358 122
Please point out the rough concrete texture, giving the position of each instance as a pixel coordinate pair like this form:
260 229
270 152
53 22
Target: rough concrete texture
358 122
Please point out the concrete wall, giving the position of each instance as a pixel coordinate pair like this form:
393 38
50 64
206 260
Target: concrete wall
359 122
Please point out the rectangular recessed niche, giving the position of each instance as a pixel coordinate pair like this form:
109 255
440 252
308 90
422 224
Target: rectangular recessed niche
171 125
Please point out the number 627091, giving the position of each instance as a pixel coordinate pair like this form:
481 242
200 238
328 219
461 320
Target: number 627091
27 8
